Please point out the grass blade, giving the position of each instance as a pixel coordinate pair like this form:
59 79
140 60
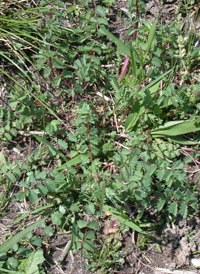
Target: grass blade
118 43
155 81
123 219
133 60
151 35
176 128
37 210
15 239
51 148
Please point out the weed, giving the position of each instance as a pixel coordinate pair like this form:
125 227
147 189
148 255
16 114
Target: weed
85 141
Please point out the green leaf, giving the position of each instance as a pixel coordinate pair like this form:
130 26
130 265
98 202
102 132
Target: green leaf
137 110
107 147
62 209
56 218
156 61
134 57
121 46
183 210
15 239
74 208
155 87
93 225
30 264
160 204
182 141
62 143
101 11
88 245
8 136
123 219
173 208
115 84
90 208
9 271
152 83
175 128
33 197
36 211
2 158
82 223
56 81
151 35
90 235
10 176
78 160
51 148
58 63
159 248
134 115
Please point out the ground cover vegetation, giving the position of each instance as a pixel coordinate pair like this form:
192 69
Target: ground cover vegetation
94 128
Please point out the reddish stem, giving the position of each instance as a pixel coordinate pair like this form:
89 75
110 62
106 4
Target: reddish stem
136 24
58 74
125 114
124 68
126 61
95 6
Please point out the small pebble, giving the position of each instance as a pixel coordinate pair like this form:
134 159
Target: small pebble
196 263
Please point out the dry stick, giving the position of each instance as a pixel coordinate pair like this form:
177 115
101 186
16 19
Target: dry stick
104 104
65 251
194 160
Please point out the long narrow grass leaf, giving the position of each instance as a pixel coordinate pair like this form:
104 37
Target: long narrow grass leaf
123 219
133 61
51 147
155 81
125 49
176 128
15 239
151 35
3 270
36 211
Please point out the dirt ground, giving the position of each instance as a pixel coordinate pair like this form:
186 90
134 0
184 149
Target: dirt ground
177 242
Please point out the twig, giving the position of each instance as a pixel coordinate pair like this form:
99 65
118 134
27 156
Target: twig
65 251
187 154
105 97
128 148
